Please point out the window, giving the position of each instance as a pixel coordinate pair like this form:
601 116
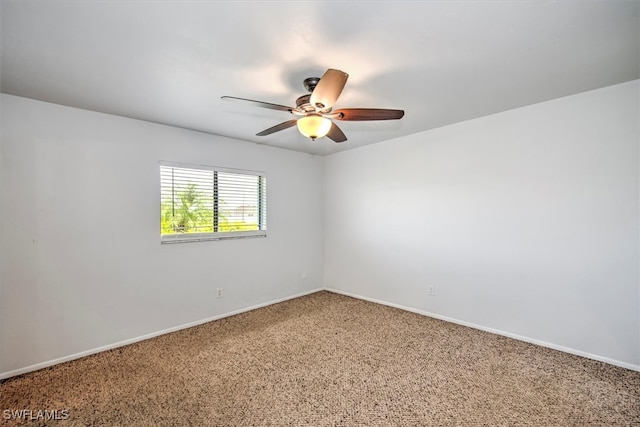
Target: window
208 203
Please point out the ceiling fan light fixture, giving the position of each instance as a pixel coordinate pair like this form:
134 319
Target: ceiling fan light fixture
314 126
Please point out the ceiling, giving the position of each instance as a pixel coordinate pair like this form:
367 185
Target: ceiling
441 61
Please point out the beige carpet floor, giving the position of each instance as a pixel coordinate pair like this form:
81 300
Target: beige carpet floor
329 360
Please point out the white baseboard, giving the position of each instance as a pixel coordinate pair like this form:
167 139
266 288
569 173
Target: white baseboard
495 331
37 366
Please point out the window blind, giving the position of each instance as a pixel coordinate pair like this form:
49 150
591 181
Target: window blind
206 203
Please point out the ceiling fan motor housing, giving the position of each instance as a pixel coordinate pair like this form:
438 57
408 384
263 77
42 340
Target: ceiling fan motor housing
303 103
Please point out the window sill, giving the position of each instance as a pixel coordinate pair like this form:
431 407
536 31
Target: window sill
205 237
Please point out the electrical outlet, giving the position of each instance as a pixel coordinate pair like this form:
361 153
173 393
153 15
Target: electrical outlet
303 276
431 290
219 293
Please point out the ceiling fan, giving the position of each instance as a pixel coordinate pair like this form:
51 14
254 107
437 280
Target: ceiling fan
316 109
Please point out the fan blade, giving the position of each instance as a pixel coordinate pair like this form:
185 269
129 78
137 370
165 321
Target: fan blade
276 128
328 89
357 114
336 134
259 103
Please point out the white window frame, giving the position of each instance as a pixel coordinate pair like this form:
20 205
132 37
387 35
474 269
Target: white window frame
218 235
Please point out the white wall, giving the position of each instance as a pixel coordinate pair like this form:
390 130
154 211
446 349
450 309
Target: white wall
526 222
83 266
